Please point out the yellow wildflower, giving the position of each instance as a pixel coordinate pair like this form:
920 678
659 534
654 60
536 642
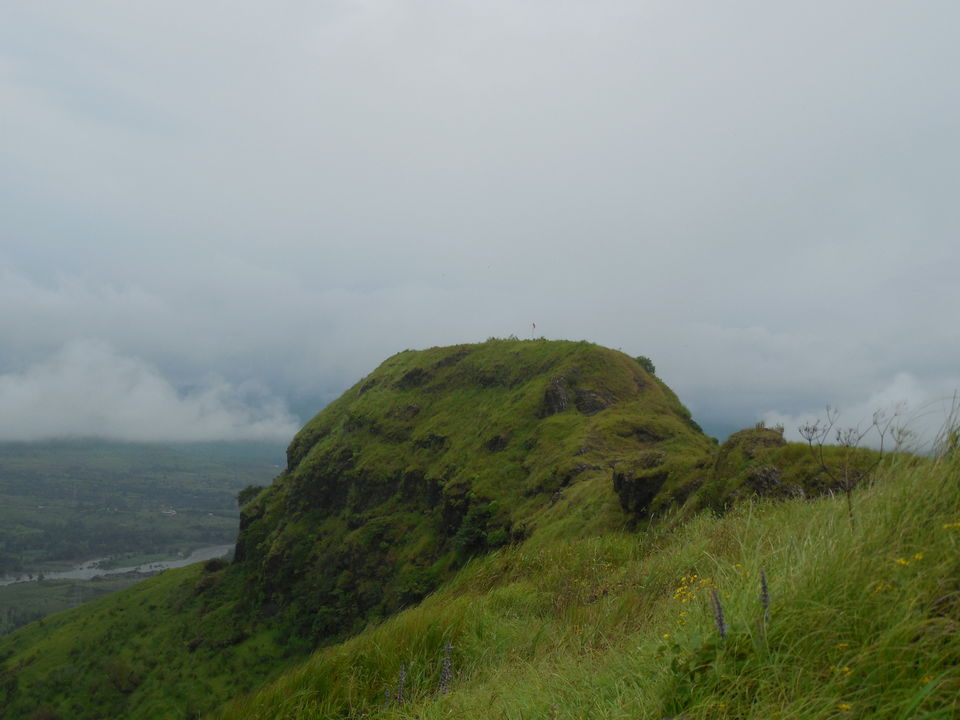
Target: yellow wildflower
918 556
844 707
952 526
902 561
841 646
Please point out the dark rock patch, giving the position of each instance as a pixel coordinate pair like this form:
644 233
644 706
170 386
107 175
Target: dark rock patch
636 492
589 402
451 359
431 442
454 505
645 436
416 486
554 398
496 444
412 379
499 376
763 480
767 481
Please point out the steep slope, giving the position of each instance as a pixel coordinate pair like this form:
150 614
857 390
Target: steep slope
442 454
172 646
820 621
437 457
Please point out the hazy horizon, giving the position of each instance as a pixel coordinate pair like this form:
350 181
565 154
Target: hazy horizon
218 217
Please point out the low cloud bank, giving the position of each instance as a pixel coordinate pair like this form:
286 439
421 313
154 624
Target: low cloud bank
921 407
87 389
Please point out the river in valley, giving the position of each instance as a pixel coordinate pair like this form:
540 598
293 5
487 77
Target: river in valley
92 568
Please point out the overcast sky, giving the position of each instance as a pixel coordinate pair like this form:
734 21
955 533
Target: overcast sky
216 216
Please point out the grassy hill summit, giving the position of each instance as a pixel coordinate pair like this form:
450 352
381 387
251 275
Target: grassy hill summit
517 525
447 453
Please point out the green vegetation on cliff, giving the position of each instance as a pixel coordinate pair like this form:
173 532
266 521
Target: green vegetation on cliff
859 622
544 497
446 453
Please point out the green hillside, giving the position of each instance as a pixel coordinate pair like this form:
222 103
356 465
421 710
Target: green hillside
859 622
446 453
544 501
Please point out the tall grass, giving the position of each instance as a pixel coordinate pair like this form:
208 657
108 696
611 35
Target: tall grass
856 622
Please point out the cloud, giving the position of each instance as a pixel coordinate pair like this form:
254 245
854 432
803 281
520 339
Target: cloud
294 196
921 407
86 389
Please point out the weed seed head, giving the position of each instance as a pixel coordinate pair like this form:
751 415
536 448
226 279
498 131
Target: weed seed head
718 613
764 596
